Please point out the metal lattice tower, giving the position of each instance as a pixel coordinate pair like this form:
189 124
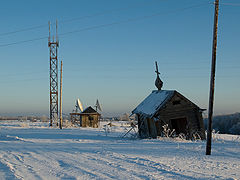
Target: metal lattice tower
53 47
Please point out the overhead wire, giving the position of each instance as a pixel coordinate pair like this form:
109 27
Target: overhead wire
133 19
23 41
76 18
230 4
109 24
106 12
121 77
74 70
24 29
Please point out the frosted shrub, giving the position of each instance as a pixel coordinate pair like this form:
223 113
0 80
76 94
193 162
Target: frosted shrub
167 132
107 129
215 135
182 136
68 124
196 136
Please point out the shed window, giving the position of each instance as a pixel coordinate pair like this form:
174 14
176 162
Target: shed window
90 118
176 102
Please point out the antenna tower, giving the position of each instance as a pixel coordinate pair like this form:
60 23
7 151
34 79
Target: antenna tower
53 47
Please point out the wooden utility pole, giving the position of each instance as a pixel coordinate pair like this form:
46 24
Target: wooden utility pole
212 81
61 121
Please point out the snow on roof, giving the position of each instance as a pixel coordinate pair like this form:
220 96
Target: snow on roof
153 102
89 110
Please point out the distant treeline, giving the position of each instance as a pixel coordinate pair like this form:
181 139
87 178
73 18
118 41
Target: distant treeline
24 118
226 124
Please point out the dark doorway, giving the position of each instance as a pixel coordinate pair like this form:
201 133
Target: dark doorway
180 125
90 118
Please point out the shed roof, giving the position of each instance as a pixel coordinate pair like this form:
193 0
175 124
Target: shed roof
153 102
89 110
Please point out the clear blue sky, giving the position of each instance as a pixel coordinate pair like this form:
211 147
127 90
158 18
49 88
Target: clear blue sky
115 63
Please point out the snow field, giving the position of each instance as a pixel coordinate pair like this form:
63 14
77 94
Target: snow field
35 151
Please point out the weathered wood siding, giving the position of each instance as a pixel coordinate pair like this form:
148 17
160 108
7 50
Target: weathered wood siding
86 122
179 107
176 108
143 127
152 128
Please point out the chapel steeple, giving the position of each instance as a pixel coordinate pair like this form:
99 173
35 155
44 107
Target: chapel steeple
158 81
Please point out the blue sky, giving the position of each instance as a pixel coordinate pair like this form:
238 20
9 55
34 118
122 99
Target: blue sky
115 63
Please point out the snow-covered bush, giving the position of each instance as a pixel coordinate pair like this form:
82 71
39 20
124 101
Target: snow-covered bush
68 124
215 134
182 136
196 136
107 129
167 132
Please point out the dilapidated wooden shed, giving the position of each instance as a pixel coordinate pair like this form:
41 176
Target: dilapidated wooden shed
88 118
168 107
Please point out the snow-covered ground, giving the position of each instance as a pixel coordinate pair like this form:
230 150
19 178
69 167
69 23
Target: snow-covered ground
35 151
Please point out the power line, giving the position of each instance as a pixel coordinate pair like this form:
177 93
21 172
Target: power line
109 24
120 77
128 69
22 30
24 41
75 19
133 19
168 69
230 4
105 12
